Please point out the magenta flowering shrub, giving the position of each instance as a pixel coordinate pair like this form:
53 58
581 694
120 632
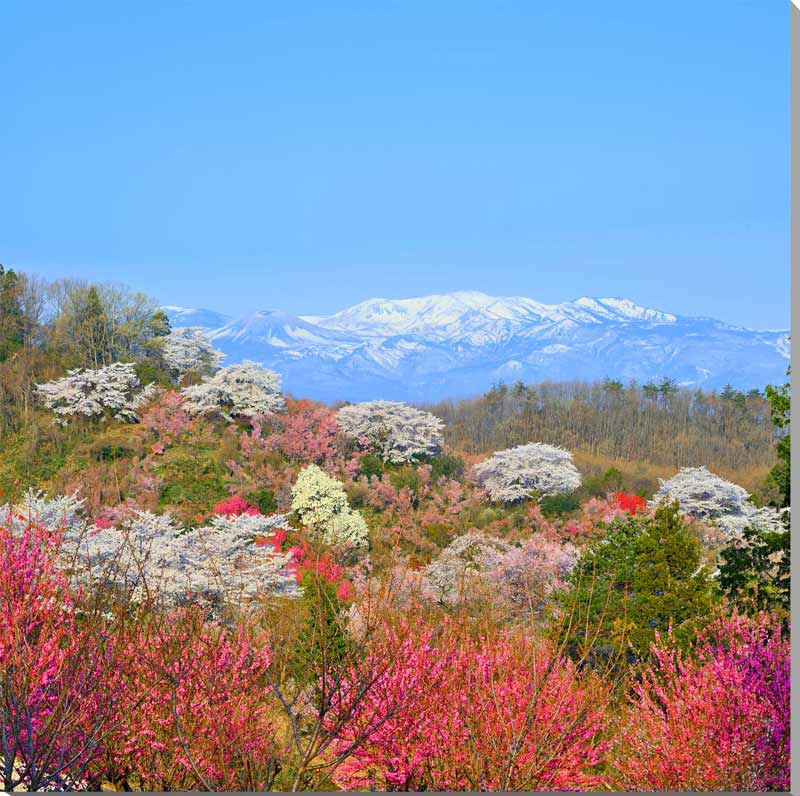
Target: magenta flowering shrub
716 718
488 714
55 700
197 714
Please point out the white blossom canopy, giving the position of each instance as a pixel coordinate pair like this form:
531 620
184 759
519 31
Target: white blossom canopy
149 554
706 496
451 575
111 391
321 502
395 431
242 390
535 469
189 348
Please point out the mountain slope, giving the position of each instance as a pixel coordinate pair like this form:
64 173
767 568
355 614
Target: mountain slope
459 343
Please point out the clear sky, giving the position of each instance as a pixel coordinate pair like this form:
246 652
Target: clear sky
308 155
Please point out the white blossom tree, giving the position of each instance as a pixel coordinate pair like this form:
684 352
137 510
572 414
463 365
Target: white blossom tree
188 348
321 503
725 505
531 470
395 431
242 390
108 392
63 513
149 555
462 564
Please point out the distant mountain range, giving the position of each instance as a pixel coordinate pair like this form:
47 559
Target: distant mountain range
459 344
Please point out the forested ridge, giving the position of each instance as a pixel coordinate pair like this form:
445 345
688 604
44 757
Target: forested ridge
660 423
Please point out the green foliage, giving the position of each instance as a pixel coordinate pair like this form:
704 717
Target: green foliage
780 407
192 482
643 576
448 465
148 371
371 466
12 326
321 643
611 480
405 476
559 505
263 500
755 572
440 533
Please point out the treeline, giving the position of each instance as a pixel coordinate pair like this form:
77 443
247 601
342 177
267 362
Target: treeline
660 423
49 327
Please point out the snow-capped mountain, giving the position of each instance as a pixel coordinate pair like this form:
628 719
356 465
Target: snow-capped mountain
457 344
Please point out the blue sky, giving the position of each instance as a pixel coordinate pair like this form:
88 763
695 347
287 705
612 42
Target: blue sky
310 155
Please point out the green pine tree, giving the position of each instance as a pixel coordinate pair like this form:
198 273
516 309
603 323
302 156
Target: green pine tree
12 320
643 576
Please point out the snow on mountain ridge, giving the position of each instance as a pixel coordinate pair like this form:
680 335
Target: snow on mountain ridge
446 345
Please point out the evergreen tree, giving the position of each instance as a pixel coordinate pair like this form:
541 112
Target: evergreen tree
643 576
755 572
12 320
780 407
90 328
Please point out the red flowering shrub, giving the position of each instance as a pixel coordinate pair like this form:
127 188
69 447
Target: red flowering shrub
305 560
714 719
630 503
235 506
492 714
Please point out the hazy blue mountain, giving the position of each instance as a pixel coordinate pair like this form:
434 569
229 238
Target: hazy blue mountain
458 344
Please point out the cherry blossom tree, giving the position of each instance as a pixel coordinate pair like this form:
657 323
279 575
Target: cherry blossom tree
462 565
321 503
706 496
395 431
243 390
525 471
112 391
189 349
220 562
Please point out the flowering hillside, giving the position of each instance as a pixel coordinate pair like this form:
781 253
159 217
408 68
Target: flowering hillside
207 584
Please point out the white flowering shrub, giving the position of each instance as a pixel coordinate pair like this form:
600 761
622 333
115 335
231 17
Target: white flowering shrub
111 391
62 513
321 503
149 555
189 348
461 564
395 431
535 469
241 390
704 495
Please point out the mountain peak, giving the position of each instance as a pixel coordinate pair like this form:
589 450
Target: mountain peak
455 344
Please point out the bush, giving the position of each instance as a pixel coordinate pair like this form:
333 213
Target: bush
448 465
559 505
194 483
405 477
600 485
716 720
264 500
371 466
440 533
